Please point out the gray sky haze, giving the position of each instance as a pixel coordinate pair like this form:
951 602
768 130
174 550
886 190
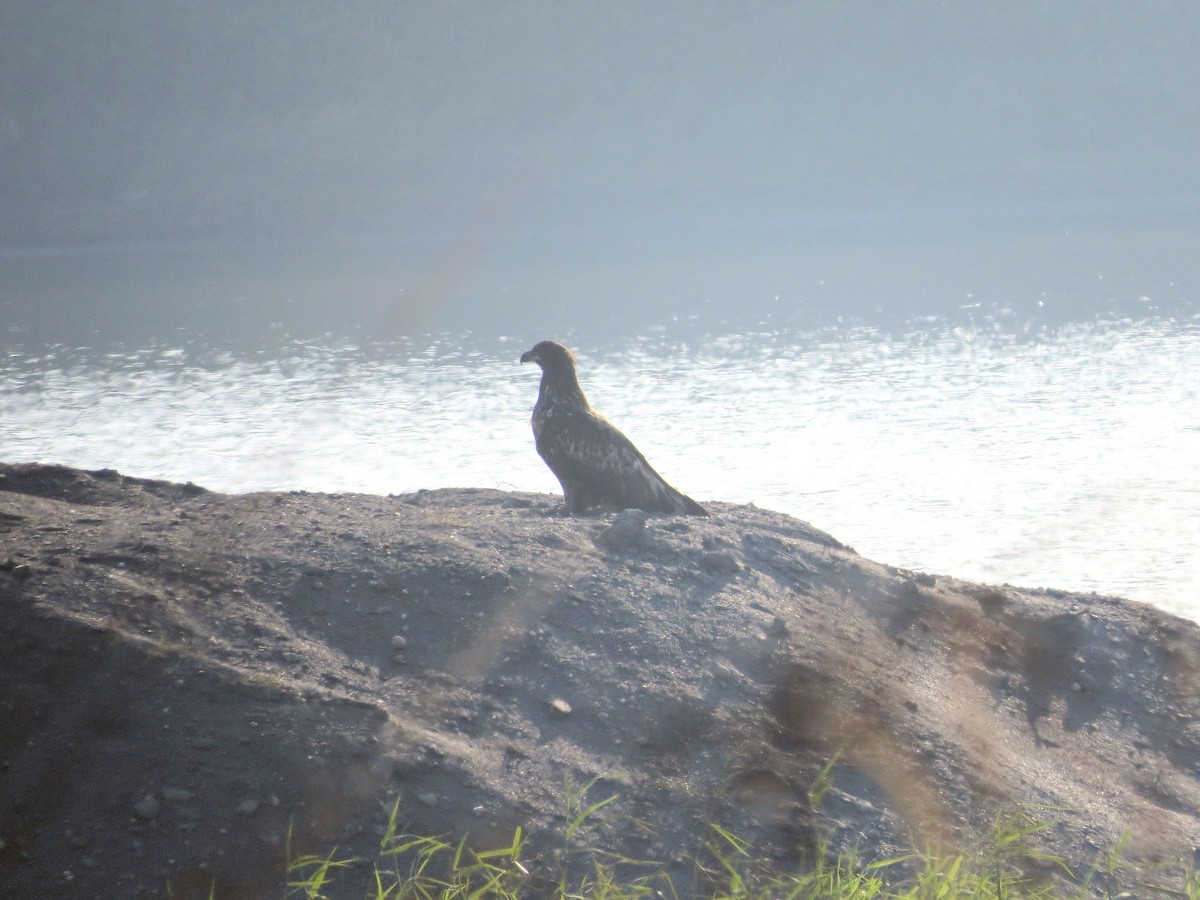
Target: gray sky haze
476 152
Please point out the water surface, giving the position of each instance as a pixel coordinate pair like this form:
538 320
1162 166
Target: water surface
1063 458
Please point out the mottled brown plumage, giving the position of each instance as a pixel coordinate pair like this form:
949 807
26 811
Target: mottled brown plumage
595 463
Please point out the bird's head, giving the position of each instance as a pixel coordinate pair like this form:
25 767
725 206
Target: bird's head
552 357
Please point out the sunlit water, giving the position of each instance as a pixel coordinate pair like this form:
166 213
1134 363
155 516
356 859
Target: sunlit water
1067 459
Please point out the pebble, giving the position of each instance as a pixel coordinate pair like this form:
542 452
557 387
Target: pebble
627 532
248 806
429 798
148 807
720 562
560 706
399 642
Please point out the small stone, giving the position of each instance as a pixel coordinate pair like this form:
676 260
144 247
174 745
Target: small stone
560 707
720 562
148 807
429 798
399 642
248 806
627 532
991 601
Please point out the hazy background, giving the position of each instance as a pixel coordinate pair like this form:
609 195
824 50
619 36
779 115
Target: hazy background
923 273
535 168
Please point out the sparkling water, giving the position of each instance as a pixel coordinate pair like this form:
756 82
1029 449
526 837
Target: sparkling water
1066 458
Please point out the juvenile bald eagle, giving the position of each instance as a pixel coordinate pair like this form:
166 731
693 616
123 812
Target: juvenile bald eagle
594 462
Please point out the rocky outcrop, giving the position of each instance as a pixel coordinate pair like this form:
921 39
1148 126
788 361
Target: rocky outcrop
187 675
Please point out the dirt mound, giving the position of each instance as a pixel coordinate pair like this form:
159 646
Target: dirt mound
98 488
189 675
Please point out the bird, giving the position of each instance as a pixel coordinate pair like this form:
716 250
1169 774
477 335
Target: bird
595 463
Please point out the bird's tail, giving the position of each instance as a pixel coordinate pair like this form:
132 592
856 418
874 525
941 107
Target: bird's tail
686 504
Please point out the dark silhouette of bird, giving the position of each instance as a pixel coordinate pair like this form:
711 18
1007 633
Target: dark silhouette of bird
595 463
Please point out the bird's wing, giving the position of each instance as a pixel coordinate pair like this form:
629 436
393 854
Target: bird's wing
581 445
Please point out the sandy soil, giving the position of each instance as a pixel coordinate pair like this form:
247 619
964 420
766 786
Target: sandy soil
186 675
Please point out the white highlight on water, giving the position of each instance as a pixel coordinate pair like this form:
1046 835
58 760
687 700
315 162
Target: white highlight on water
1071 460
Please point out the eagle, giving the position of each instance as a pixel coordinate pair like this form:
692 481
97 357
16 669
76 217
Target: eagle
595 463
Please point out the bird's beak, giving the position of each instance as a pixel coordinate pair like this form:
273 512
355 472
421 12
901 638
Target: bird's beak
529 356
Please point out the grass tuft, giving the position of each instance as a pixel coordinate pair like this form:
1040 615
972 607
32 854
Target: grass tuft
1007 866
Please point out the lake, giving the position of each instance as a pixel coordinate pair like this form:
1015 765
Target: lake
1062 455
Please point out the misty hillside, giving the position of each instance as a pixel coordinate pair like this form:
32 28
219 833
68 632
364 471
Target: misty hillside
137 120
